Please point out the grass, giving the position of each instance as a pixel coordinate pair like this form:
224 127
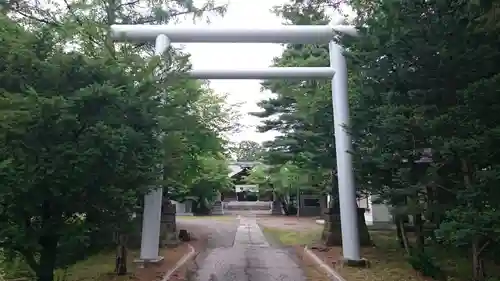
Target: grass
387 262
289 237
99 267
216 218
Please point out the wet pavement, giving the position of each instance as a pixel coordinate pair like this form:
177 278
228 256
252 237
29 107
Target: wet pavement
238 251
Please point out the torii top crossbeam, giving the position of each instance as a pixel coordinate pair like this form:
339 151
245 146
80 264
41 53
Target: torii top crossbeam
298 34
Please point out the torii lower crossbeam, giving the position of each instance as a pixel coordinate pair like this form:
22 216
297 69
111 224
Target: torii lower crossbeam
264 73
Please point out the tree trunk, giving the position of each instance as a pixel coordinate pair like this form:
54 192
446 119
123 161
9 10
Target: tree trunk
418 222
477 261
284 205
404 237
48 255
399 230
121 255
477 249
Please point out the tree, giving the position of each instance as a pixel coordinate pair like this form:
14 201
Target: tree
212 178
195 144
248 151
415 100
84 146
283 181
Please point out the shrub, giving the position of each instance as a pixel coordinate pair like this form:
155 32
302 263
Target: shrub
424 263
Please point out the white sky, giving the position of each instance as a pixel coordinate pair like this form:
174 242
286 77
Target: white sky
240 13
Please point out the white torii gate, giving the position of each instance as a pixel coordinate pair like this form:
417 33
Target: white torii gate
163 35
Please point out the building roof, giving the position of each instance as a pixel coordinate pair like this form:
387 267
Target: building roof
237 166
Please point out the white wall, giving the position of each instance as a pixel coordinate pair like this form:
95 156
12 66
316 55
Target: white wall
247 187
380 212
375 213
182 208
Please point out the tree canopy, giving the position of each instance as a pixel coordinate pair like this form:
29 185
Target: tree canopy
248 151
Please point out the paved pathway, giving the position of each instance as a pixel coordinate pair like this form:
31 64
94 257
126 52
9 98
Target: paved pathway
250 258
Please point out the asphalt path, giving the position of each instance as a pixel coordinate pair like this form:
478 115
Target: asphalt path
238 251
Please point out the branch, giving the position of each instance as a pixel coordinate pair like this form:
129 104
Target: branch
89 36
28 256
36 18
444 188
127 4
152 19
483 247
80 131
30 259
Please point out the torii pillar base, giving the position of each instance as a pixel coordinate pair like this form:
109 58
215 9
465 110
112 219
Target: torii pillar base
142 263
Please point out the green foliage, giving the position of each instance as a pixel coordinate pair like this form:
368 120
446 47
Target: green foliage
212 177
195 166
463 224
14 267
85 129
80 138
248 151
426 264
282 180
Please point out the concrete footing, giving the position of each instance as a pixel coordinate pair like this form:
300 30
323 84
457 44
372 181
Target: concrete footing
141 263
217 209
356 263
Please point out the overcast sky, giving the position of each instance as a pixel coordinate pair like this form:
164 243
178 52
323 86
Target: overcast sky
240 13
